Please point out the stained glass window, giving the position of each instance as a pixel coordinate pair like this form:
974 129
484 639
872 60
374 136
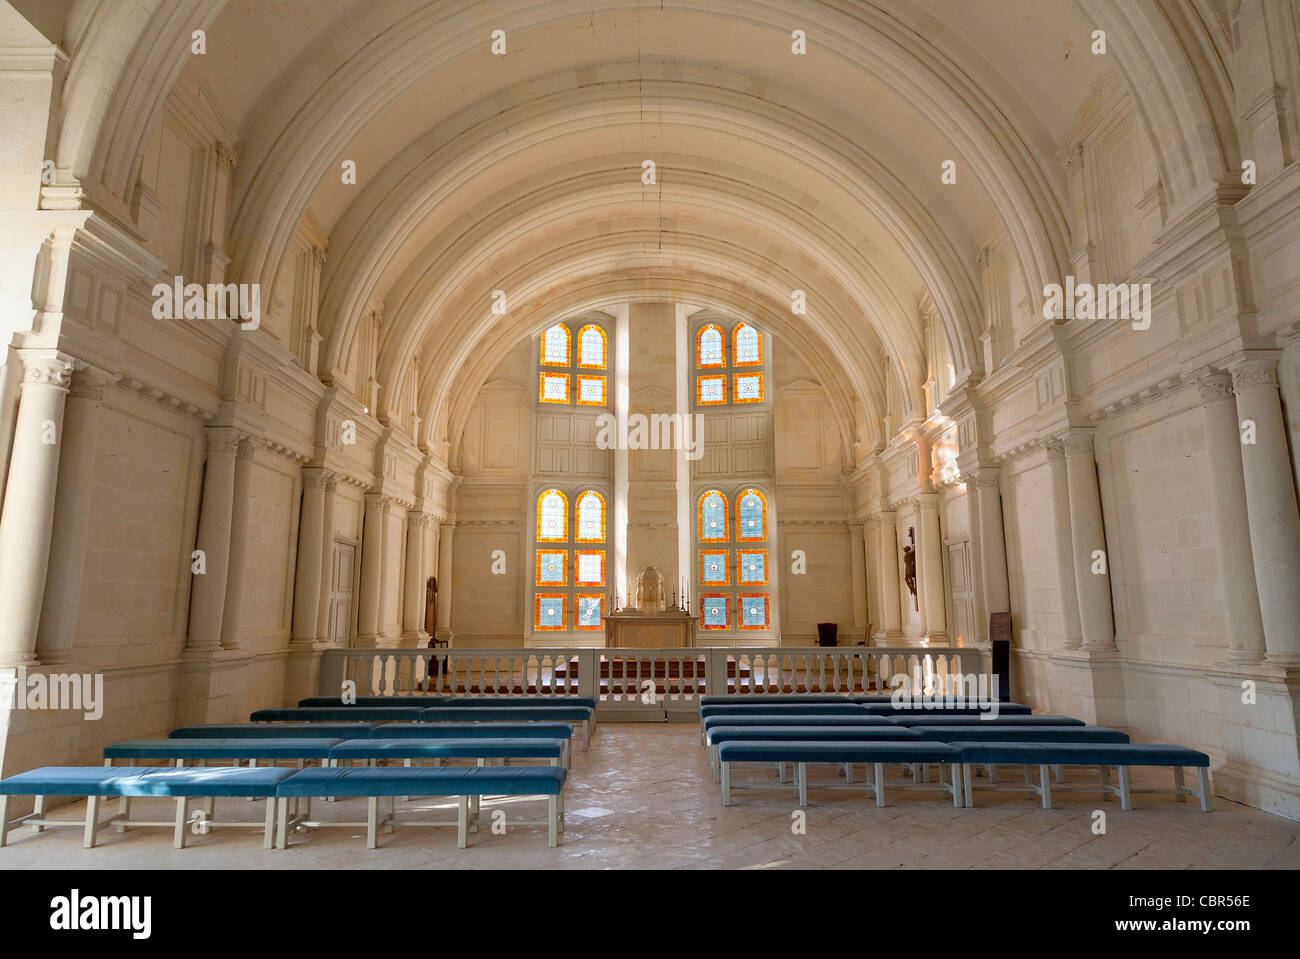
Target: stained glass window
748 346
713 567
549 568
589 567
749 388
553 388
592 348
552 517
711 390
751 516
590 522
713 611
587 611
591 390
751 567
753 610
711 517
709 348
548 611
555 346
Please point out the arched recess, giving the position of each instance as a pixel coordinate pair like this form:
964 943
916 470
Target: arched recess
1180 87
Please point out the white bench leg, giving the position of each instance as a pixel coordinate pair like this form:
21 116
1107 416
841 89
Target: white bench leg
1180 795
1203 781
92 821
848 774
1060 774
123 811
965 784
372 822
1045 784
268 840
38 810
956 785
726 782
801 779
879 772
1104 773
4 819
553 817
282 815
462 823
182 814
1125 797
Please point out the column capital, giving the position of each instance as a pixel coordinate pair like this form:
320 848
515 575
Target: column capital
47 368
224 439
378 502
245 448
1255 372
986 477
1055 451
1078 443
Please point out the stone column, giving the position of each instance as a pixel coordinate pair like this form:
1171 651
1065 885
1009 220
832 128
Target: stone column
386 585
857 562
891 616
372 562
930 568
71 516
870 556
993 547
445 534
310 567
1231 524
413 633
29 501
208 596
329 483
1071 628
1088 535
1271 507
241 506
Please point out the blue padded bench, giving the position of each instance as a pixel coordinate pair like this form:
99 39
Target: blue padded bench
427 702
407 749
1019 720
542 730
277 731
422 702
584 715
777 709
182 784
998 733
786 719
469 784
746 699
507 700
338 714
206 749
889 709
1122 756
874 754
795 730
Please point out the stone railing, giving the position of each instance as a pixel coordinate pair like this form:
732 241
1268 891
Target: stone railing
643 684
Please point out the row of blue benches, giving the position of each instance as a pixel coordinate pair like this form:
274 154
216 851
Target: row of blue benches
799 732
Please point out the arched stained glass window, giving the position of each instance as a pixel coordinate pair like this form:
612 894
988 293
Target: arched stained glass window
589 526
748 346
751 516
592 349
555 346
552 517
711 517
710 349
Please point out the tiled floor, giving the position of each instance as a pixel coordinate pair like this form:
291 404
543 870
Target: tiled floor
641 798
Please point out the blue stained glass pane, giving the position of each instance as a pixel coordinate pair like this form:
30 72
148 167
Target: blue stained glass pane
749 387
550 567
746 345
711 347
751 517
713 569
753 567
713 517
555 346
552 517
591 348
588 610
551 612
712 389
753 612
715 610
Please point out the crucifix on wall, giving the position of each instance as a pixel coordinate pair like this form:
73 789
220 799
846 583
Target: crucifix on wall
909 566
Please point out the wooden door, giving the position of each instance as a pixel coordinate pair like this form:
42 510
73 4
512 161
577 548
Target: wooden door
962 592
342 578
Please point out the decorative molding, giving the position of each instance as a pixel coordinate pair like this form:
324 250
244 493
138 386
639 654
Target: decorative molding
1254 375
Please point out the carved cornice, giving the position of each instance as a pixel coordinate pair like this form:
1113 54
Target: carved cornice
163 398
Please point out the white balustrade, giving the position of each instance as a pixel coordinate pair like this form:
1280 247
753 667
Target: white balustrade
649 683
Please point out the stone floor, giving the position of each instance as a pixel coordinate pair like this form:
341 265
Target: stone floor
641 798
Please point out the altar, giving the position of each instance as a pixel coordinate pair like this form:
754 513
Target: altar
631 629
